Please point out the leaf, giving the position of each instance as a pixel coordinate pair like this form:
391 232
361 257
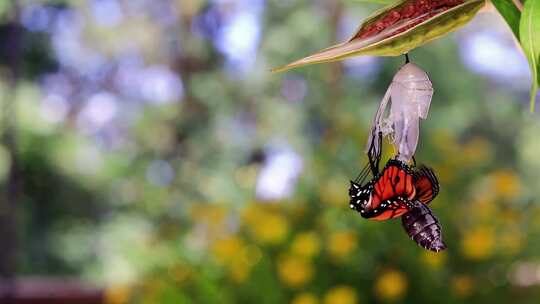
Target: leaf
510 13
529 29
375 1
381 35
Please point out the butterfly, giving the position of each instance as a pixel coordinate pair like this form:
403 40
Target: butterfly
398 191
392 192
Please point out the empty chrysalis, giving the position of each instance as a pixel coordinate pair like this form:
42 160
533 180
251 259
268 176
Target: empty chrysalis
410 96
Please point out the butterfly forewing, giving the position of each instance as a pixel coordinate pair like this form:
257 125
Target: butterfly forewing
396 181
387 195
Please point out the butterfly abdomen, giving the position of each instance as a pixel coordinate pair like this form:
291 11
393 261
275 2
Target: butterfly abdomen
424 228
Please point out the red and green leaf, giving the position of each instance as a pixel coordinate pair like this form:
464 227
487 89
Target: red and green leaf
397 29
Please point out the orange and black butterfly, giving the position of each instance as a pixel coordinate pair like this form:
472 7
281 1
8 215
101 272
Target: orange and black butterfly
398 191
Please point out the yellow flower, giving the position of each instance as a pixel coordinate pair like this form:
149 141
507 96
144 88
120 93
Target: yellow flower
391 285
272 229
252 213
341 295
266 224
434 259
306 245
239 270
342 243
478 243
462 286
117 294
477 150
227 249
305 298
506 184
237 258
294 271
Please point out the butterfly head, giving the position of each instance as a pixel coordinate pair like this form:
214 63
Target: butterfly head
360 196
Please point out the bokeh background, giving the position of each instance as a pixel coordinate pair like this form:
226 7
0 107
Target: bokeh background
148 154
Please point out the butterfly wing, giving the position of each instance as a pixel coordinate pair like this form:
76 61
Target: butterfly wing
390 209
396 180
426 184
392 191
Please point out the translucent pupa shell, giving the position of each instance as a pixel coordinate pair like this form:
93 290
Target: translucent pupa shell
410 94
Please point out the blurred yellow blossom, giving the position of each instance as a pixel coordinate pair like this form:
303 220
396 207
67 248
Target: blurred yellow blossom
253 212
238 258
294 271
478 243
341 295
342 243
305 298
239 270
391 285
272 229
462 286
434 259
266 224
227 249
306 244
475 151
117 294
506 184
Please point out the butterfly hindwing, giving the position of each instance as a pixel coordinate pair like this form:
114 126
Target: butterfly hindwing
426 184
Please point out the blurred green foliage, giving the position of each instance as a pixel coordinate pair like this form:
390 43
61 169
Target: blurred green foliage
199 234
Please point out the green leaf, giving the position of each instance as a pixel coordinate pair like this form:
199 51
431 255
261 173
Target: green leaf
510 13
398 38
529 29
